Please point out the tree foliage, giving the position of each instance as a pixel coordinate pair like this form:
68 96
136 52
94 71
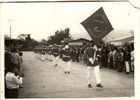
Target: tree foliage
27 42
59 36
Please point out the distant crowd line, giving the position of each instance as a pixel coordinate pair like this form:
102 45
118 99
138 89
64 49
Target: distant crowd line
120 58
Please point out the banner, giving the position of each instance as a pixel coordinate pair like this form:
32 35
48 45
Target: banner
97 25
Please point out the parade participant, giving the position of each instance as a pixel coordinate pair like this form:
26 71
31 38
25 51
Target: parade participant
13 80
66 59
42 55
61 52
99 56
50 56
92 63
55 52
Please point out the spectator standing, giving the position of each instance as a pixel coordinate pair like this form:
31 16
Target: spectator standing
13 81
77 54
20 58
132 60
110 59
15 59
21 72
127 60
7 59
73 54
120 60
115 58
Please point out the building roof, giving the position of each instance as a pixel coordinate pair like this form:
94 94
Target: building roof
67 40
122 38
118 34
80 40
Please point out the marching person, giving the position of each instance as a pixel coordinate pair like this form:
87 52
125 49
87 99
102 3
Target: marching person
55 52
66 57
42 55
50 56
92 63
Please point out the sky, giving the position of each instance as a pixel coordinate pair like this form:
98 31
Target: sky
43 19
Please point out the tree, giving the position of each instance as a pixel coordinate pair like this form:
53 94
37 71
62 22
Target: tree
58 36
22 36
27 42
28 37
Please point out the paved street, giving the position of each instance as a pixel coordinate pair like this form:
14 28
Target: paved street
42 80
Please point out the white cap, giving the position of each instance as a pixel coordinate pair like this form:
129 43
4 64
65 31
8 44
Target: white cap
66 47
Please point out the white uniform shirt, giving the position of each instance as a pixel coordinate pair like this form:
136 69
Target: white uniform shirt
12 81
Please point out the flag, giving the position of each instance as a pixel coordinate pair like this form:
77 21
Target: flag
97 25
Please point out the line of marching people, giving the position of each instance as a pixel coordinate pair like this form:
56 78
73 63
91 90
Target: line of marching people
96 57
13 71
57 55
91 52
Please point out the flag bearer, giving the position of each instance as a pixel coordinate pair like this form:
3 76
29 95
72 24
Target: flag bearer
92 63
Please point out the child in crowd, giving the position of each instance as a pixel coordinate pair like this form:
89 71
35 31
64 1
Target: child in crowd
13 81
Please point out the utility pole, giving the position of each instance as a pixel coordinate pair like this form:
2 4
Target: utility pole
10 28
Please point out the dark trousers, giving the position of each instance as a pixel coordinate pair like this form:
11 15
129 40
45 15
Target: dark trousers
11 93
110 64
120 66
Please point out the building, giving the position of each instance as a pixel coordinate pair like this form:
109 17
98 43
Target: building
78 42
122 40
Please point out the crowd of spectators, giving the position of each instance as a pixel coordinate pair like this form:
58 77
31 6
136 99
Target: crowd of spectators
120 58
13 74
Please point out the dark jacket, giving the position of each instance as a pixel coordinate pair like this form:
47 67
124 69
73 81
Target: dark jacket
55 51
66 56
89 53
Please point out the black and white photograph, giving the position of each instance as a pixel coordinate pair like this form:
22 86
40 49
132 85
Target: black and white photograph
68 49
